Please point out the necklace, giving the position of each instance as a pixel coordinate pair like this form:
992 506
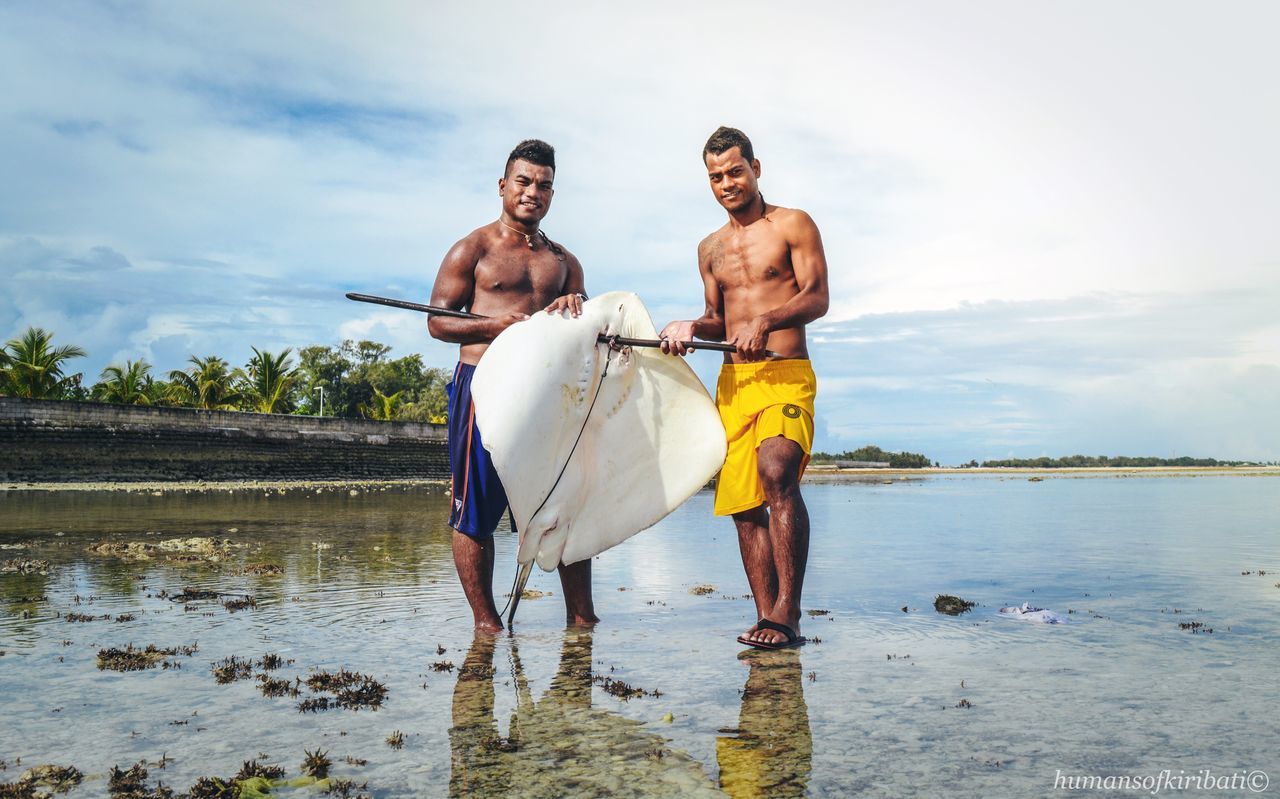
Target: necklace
528 237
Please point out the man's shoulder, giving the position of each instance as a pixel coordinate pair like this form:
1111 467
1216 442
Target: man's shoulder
473 245
794 224
793 216
712 239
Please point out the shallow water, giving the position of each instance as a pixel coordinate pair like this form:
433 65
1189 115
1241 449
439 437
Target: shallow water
873 708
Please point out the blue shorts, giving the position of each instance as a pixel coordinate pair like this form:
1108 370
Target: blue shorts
478 499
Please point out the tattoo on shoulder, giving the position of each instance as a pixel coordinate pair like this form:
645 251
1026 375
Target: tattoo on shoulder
713 251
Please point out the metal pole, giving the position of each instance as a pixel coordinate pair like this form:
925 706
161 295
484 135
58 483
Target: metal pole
717 346
321 388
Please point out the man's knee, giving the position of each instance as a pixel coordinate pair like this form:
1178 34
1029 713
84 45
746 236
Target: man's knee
752 520
779 466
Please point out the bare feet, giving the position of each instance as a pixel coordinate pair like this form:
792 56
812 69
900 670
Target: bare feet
575 579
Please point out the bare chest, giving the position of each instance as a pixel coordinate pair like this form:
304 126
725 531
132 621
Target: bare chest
750 257
513 279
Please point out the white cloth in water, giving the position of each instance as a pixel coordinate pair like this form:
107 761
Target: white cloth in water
1028 613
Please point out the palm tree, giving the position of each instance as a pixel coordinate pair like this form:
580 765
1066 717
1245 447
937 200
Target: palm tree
33 369
381 406
209 383
130 384
270 382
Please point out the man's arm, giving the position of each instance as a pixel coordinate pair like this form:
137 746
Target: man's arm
574 292
809 265
708 326
455 287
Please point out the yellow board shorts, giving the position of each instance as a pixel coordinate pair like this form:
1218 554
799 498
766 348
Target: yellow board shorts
758 401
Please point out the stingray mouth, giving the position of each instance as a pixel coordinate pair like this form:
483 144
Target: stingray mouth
533 542
546 545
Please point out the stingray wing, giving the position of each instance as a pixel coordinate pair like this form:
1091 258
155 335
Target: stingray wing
622 449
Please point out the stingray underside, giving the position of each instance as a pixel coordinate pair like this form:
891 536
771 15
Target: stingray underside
588 457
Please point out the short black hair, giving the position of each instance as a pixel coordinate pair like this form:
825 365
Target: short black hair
535 151
726 138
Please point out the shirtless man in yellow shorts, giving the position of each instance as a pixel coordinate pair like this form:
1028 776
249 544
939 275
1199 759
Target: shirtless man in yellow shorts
765 278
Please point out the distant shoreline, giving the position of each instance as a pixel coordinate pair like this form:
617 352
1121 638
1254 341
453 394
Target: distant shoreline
824 473
819 473
210 486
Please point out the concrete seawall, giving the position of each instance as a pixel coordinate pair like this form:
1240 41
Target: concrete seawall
44 441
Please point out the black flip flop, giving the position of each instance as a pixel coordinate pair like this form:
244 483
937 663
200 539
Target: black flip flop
792 638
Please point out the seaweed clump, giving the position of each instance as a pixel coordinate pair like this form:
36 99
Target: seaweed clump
702 590
59 779
351 690
214 788
190 594
344 788
25 566
952 605
252 768
132 784
274 688
478 672
132 659
271 662
620 689
231 669
266 569
316 764
314 704
242 603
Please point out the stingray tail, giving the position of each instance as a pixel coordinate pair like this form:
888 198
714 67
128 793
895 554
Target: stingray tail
522 579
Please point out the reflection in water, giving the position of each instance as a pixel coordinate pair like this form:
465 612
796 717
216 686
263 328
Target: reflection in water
330 545
475 744
771 752
560 745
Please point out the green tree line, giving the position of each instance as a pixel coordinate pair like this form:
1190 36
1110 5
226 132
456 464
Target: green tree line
872 453
1087 461
356 379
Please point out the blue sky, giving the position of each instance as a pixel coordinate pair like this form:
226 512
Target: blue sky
1051 227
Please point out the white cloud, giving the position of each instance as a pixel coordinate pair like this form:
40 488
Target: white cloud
1157 374
204 177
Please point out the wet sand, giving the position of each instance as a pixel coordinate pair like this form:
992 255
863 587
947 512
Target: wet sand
816 473
202 486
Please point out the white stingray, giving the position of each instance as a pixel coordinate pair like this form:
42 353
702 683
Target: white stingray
590 458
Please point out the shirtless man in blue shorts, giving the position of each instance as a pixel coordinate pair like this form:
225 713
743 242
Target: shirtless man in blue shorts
505 271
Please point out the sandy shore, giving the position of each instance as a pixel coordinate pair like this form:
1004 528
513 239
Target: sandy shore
817 473
203 486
